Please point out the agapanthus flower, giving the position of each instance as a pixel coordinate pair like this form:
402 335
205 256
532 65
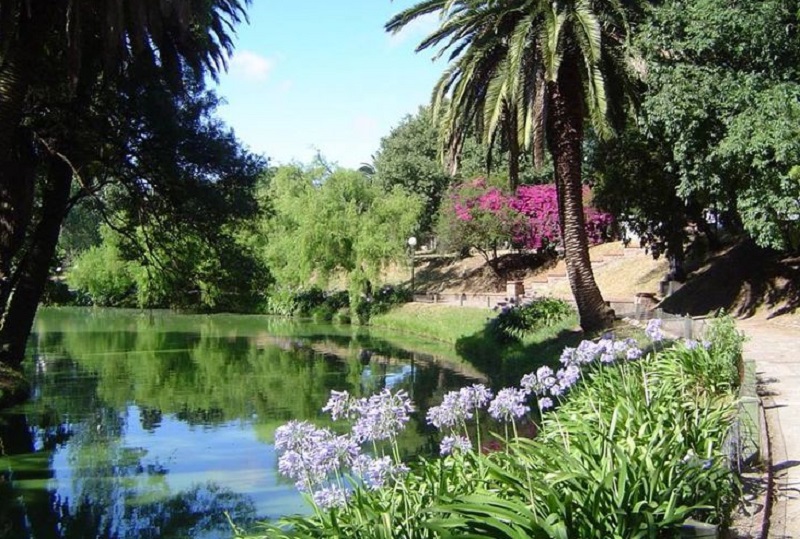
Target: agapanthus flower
620 347
653 330
568 356
295 435
475 396
539 382
605 346
451 413
335 453
568 377
377 472
330 498
556 390
340 405
545 403
451 444
382 416
691 344
508 404
459 406
587 351
633 354
309 455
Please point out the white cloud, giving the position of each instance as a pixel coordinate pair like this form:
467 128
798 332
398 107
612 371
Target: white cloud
416 29
251 66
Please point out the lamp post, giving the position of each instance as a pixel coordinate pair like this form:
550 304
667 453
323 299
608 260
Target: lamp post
412 243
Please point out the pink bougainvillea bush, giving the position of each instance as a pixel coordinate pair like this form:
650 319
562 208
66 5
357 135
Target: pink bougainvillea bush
484 217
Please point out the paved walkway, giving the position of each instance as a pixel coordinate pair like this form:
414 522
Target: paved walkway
776 349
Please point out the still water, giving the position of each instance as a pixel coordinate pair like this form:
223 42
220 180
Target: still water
156 425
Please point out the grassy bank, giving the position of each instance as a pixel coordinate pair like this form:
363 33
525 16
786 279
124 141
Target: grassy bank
476 342
439 322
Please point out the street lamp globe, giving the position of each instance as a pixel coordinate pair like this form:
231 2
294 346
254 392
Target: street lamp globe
412 242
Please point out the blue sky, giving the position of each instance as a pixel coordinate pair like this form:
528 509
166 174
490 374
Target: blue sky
324 75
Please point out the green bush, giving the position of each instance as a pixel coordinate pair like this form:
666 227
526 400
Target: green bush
516 321
104 277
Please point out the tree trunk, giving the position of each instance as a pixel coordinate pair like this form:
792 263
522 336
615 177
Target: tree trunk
35 268
17 159
566 137
16 166
512 138
537 129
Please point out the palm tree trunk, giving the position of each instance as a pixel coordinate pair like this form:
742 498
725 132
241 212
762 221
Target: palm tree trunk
512 138
566 139
35 267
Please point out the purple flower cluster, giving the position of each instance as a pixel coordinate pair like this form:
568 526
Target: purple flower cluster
540 382
377 472
330 497
309 455
509 404
451 444
653 330
459 406
312 456
379 417
340 405
546 385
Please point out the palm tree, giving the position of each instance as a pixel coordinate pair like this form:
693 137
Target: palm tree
536 70
80 49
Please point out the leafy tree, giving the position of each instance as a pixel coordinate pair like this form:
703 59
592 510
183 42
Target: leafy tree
323 221
538 69
482 217
722 96
409 157
634 180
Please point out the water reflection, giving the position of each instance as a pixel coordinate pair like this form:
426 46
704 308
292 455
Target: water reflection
156 425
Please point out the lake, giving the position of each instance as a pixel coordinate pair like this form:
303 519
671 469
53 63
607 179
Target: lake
157 425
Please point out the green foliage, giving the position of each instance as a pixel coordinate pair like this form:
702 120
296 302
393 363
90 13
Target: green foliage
636 182
463 223
722 98
182 271
321 222
761 146
443 323
517 321
409 157
101 274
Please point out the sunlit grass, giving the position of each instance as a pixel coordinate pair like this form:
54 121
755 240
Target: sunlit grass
439 322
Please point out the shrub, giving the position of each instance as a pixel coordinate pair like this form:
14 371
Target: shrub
517 321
